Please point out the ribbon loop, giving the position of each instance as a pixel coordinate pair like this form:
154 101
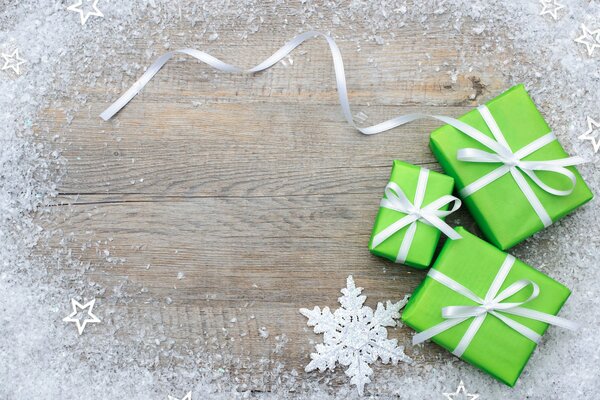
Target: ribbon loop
494 305
395 199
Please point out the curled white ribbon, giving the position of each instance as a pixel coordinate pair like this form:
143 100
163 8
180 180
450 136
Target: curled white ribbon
493 304
513 163
501 151
340 77
396 200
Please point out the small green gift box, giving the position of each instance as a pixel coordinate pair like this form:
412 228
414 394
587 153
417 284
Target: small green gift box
485 306
407 231
511 172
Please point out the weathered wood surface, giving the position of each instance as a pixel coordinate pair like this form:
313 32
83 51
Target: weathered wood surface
255 188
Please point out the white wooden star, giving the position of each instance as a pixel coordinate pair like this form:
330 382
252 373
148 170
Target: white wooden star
590 38
77 7
461 391
551 7
592 134
81 325
188 396
13 61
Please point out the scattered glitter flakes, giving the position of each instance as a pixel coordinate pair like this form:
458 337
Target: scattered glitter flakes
263 332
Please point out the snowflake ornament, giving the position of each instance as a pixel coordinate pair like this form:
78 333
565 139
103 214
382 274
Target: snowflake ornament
355 336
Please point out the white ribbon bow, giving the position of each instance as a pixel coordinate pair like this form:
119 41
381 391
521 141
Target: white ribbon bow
493 304
395 199
513 163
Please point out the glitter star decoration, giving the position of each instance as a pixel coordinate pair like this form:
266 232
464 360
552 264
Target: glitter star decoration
72 317
188 396
86 14
592 134
591 39
13 61
551 7
462 392
355 336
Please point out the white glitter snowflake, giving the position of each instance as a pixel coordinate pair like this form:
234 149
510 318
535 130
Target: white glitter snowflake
355 336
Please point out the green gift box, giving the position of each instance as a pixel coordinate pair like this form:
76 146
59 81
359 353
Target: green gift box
504 210
407 231
516 303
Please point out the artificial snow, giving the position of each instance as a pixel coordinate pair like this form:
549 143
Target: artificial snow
44 358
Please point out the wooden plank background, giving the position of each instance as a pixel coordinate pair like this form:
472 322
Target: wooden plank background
254 188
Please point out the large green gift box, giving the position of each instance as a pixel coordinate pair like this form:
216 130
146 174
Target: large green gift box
496 347
426 237
501 208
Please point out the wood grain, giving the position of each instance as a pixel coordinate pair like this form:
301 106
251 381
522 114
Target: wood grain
254 188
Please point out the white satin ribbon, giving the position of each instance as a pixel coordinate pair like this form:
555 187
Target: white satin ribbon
340 77
501 151
396 200
513 163
493 304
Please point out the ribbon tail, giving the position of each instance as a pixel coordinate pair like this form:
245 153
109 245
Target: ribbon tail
391 229
442 226
467 338
211 61
157 66
340 77
543 317
531 197
522 329
435 330
568 161
287 48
